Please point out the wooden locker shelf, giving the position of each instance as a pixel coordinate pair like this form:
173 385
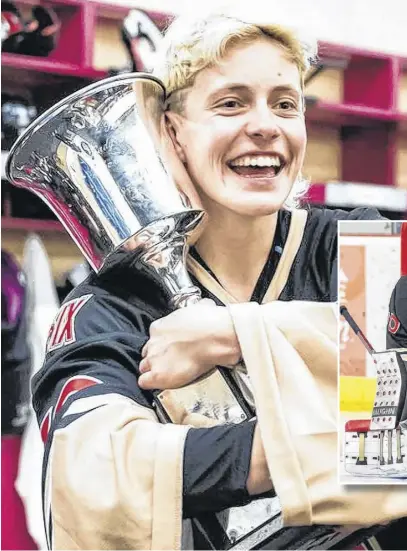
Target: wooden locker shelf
19 62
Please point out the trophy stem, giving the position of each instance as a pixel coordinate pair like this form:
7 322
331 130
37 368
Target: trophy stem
165 263
187 297
162 250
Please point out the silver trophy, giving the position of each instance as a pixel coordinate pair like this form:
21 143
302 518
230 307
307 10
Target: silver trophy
98 160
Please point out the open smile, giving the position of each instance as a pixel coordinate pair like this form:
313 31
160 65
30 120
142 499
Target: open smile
258 167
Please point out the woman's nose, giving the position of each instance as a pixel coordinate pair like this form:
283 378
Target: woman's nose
262 123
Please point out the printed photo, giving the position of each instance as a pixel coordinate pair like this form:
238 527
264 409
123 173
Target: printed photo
373 352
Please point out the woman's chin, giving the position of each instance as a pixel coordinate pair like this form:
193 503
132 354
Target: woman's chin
258 205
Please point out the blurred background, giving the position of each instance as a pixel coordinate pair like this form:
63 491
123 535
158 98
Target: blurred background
356 100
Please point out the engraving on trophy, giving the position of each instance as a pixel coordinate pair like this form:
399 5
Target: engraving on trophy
240 521
208 396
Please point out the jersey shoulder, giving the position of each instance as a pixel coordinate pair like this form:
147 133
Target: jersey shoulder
321 230
313 276
93 311
118 298
328 217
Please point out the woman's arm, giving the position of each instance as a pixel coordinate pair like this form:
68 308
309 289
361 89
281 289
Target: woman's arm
187 344
96 419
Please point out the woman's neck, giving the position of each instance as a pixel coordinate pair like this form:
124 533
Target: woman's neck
236 248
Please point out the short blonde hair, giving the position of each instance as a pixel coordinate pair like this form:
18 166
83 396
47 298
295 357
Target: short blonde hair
193 44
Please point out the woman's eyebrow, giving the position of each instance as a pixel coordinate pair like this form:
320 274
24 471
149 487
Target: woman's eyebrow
243 88
226 89
287 88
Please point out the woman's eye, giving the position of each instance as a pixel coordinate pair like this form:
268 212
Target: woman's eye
286 105
230 104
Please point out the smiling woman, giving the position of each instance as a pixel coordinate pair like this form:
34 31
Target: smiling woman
215 80
236 120
251 130
234 128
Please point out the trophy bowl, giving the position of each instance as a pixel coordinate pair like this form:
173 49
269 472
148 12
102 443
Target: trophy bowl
97 159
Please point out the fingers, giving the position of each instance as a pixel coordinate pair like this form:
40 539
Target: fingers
146 381
152 378
146 377
144 366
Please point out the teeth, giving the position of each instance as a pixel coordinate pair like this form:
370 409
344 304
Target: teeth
256 160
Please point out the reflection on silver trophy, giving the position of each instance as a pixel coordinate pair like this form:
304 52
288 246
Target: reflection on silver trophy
97 159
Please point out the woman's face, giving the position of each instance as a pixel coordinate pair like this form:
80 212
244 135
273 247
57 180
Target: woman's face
242 132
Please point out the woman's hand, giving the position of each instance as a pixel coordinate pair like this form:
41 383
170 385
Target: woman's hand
187 344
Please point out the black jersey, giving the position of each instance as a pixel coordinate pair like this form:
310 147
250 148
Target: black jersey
95 344
396 336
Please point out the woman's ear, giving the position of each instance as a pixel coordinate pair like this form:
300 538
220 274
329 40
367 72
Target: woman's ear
173 126
174 159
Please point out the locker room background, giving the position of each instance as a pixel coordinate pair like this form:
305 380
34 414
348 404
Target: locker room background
357 152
